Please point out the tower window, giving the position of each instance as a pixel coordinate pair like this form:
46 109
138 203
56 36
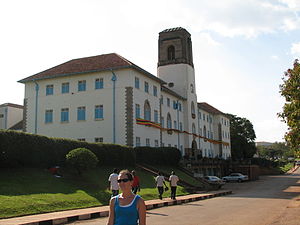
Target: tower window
171 52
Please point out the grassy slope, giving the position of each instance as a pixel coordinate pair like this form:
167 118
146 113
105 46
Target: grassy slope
30 191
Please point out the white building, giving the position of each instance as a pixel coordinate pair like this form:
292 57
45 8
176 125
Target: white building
11 116
107 98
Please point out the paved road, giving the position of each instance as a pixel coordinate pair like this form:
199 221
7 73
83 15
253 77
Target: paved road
272 200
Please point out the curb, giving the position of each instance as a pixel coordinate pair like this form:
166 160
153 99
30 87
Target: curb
63 217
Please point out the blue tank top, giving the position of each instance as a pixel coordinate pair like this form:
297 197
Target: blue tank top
128 214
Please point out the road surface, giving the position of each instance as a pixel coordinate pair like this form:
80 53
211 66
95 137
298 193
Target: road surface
271 200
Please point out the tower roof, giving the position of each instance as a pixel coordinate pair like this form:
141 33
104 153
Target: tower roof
174 29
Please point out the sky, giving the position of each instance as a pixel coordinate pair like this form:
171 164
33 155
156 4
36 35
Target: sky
240 48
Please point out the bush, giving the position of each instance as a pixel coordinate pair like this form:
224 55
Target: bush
81 159
157 156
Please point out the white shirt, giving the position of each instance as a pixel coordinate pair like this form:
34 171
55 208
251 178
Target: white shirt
159 181
173 180
113 178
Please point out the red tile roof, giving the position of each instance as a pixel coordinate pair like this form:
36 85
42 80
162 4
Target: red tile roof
208 108
98 63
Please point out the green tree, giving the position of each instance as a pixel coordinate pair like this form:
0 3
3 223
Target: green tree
290 90
275 151
242 138
81 159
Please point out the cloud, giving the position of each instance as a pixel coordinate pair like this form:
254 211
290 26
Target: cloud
295 49
248 18
275 57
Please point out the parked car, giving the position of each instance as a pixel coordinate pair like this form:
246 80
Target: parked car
215 180
235 177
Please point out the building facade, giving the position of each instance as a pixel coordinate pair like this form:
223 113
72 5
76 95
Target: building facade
11 116
107 98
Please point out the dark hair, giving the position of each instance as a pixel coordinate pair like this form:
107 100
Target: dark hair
115 170
128 174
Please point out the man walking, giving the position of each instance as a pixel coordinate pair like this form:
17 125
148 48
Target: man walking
113 183
160 182
173 182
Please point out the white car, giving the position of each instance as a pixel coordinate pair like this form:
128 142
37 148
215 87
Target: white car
236 177
215 180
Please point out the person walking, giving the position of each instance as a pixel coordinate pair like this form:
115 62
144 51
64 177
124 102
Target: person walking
126 208
160 183
135 183
113 183
173 183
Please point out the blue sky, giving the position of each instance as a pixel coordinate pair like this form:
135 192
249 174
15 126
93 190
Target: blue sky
241 48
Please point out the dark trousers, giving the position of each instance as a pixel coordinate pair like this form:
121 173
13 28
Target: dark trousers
114 193
160 191
173 192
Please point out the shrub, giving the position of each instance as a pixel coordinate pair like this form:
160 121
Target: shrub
81 159
158 156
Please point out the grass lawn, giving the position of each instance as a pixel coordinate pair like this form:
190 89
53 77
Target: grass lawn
30 191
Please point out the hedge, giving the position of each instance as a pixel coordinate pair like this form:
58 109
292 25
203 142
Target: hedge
157 156
19 149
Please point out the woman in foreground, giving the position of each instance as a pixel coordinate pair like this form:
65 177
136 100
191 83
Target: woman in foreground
126 208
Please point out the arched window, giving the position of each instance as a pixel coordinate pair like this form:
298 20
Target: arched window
169 121
171 52
192 88
204 131
147 111
193 129
193 110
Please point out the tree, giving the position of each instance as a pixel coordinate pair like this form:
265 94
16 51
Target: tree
81 159
290 90
275 151
242 138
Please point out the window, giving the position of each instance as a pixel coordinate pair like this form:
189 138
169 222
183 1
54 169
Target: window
171 52
146 87
199 115
99 83
174 104
154 90
81 139
155 116
200 131
49 116
203 116
169 121
179 106
147 142
161 99
1 115
147 111
137 111
192 88
180 126
168 102
64 115
65 88
98 112
99 139
204 131
193 110
169 145
156 143
162 122
137 82
81 113
137 141
193 128
175 124
81 85
49 89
